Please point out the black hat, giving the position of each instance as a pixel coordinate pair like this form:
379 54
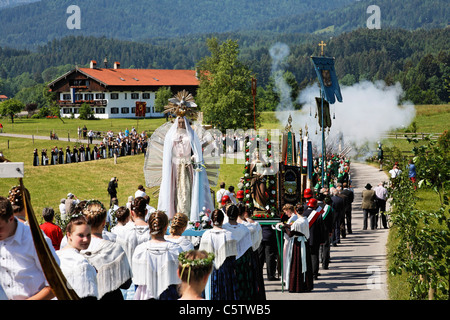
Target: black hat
368 186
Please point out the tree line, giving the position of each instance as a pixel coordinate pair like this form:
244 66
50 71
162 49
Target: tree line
419 60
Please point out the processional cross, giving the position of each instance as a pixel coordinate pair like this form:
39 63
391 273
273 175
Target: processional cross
322 44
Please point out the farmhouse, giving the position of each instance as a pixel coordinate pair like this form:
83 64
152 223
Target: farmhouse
3 98
115 92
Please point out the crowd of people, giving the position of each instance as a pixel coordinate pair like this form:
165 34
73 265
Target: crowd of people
131 252
124 143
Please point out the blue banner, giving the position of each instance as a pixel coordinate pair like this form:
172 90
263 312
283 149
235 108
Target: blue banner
72 94
326 73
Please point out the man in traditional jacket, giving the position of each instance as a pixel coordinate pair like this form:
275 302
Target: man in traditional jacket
346 191
316 233
369 206
338 205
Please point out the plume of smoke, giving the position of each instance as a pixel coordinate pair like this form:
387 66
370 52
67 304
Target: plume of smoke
279 52
369 109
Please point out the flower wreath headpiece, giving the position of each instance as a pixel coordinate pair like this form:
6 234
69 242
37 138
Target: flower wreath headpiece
193 263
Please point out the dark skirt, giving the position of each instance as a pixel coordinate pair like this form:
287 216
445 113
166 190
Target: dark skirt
246 278
224 281
171 293
299 282
260 291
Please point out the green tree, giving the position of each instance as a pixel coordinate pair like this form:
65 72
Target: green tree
224 94
11 107
162 98
86 112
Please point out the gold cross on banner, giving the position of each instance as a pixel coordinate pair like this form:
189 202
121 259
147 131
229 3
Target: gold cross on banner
322 44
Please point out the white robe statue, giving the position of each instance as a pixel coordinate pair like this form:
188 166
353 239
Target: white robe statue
184 185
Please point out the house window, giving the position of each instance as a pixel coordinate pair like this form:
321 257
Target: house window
79 83
146 96
135 96
89 96
76 110
114 96
125 110
67 96
100 110
133 110
148 110
67 110
78 97
114 110
99 96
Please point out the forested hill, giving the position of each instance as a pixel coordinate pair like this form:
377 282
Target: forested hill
37 23
419 60
40 22
409 15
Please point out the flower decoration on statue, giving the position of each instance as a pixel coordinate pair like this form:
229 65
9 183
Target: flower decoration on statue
198 166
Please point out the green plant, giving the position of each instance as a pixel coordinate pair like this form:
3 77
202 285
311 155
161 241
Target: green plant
422 250
86 112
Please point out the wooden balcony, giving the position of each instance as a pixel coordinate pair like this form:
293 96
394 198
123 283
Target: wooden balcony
78 103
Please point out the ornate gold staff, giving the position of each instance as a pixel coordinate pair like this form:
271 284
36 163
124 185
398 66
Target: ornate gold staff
52 271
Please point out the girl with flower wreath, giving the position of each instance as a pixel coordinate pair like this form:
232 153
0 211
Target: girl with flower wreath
80 274
194 269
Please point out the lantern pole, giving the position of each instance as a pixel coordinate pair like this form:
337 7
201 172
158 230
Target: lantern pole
254 101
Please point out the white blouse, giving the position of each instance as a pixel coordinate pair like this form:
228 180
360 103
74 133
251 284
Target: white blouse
111 263
242 235
21 274
183 241
81 276
154 267
220 242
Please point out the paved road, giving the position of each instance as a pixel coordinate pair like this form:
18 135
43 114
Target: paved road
357 270
29 136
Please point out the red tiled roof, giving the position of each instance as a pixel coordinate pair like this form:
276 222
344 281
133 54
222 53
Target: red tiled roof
3 96
145 77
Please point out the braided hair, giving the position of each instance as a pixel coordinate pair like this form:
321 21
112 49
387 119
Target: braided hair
139 206
15 196
158 222
178 224
217 217
95 213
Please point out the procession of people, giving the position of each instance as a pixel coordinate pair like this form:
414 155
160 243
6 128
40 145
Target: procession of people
136 252
123 143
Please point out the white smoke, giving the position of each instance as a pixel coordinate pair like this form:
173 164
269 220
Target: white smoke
279 52
368 111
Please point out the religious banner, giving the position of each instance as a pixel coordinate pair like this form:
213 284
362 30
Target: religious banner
326 113
140 108
326 73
